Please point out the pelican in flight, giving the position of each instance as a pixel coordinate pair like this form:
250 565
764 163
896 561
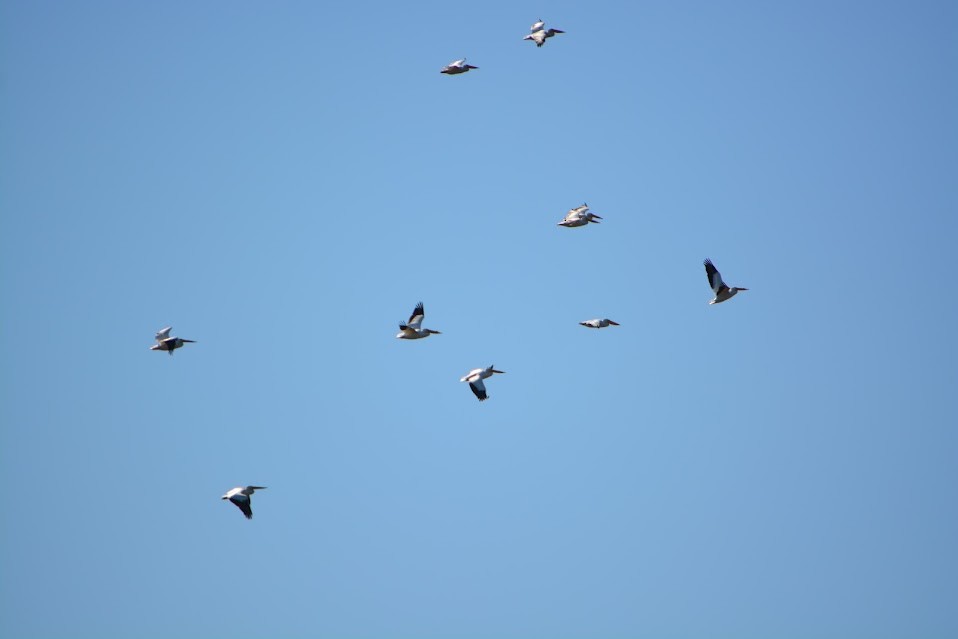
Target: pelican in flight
579 216
599 323
240 497
457 67
538 33
413 328
166 343
722 291
475 377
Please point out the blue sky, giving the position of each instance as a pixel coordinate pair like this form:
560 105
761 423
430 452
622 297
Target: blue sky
282 182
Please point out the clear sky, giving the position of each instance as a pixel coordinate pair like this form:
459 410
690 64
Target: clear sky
284 181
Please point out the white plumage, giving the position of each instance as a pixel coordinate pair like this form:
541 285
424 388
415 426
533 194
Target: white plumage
722 291
456 67
413 328
539 34
599 323
579 216
475 377
166 343
241 498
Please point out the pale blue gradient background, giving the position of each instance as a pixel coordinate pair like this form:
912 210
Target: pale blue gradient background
283 181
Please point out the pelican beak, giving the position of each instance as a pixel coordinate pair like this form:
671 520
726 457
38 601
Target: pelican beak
435 332
598 217
495 371
741 289
613 323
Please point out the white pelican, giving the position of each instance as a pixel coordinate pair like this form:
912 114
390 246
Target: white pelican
240 497
722 292
579 216
599 323
457 67
413 328
166 343
475 377
539 35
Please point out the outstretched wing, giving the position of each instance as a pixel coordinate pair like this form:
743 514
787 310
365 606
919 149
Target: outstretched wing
415 320
163 333
715 278
242 502
479 390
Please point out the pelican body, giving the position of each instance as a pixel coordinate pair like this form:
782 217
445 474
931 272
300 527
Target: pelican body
240 498
579 216
457 67
169 344
599 323
539 34
475 377
413 328
722 291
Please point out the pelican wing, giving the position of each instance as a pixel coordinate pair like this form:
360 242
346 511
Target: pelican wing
415 320
539 25
478 389
242 502
715 278
163 334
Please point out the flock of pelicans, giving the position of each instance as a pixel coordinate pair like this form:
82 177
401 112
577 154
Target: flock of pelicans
412 329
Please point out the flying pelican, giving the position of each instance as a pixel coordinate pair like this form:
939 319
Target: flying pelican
413 328
240 497
539 33
599 323
166 343
457 67
475 377
722 292
579 216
